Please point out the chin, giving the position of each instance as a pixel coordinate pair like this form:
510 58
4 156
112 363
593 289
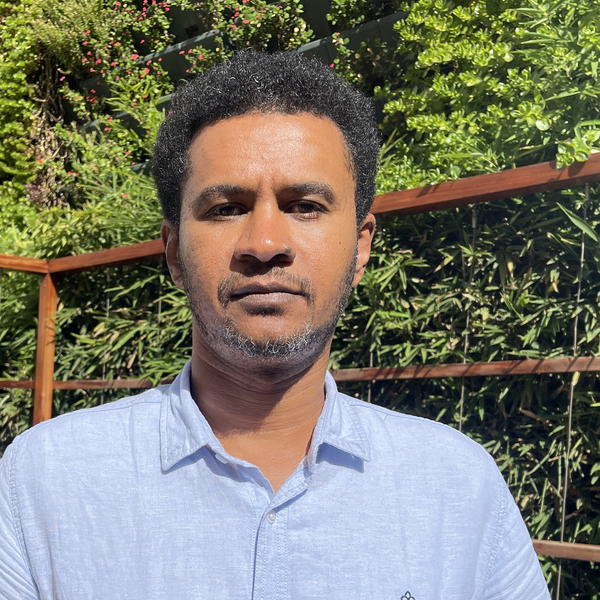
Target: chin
267 350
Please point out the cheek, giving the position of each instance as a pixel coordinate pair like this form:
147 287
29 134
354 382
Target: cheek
206 258
329 260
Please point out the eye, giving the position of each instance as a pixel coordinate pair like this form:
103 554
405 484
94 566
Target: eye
224 211
305 207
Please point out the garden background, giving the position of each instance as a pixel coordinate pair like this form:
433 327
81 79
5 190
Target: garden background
460 88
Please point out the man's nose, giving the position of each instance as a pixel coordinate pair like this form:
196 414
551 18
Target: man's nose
266 235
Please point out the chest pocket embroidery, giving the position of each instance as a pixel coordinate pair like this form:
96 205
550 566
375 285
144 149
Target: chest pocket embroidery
408 596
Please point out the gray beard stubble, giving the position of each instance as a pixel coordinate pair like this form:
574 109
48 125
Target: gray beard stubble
309 341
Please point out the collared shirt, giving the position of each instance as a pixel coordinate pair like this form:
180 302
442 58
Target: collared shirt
138 500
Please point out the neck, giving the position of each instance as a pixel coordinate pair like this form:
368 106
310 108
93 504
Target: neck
263 415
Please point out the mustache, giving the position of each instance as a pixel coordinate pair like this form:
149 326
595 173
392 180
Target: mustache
235 281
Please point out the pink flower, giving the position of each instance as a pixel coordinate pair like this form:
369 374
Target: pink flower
62 78
93 91
135 57
87 32
182 52
233 27
83 60
113 64
149 62
84 43
246 20
98 61
160 60
146 71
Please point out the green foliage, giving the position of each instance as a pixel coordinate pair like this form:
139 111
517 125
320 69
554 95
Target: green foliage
489 86
18 61
346 14
259 25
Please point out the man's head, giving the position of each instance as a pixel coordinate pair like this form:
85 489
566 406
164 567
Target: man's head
265 167
284 82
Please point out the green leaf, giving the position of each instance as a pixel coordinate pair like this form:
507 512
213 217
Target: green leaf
580 223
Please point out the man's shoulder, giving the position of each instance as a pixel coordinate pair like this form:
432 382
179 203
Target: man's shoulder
423 441
87 429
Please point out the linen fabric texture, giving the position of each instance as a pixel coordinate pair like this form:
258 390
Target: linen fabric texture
138 500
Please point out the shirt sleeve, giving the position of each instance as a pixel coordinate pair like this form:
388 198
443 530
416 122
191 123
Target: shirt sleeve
16 582
515 572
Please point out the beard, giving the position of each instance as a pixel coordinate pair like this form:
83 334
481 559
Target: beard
226 341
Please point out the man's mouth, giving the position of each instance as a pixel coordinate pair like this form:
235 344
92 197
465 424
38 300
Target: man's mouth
274 288
268 292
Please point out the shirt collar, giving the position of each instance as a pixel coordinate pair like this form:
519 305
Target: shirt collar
184 430
338 425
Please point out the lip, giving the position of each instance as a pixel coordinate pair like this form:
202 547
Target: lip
264 289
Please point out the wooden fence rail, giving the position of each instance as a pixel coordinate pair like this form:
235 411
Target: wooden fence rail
500 368
450 194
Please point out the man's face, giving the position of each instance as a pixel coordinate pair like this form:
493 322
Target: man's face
267 249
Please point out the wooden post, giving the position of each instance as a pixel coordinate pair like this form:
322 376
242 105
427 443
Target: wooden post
44 360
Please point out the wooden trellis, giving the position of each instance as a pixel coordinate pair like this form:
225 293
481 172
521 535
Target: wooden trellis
450 194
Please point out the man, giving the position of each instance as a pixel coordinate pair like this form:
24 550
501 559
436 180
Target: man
251 476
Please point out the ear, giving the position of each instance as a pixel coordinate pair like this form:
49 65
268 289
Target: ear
170 241
363 249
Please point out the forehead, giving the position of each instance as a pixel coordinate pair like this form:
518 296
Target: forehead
270 145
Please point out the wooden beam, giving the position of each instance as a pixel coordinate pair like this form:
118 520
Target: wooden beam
586 552
492 186
11 384
22 263
113 257
44 360
480 369
483 369
104 384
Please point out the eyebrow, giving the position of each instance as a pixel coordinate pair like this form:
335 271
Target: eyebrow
213 192
311 188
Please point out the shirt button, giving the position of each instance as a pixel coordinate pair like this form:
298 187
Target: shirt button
271 516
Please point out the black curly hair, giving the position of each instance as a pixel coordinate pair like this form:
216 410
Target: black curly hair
285 82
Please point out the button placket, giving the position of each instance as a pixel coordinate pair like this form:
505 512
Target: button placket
271 561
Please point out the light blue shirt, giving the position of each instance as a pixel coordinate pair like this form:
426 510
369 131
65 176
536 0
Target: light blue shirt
137 500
